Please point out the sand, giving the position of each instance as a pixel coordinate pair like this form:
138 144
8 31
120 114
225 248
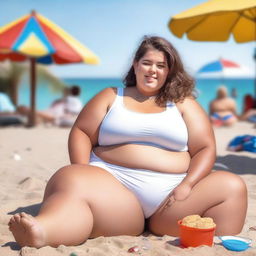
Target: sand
28 157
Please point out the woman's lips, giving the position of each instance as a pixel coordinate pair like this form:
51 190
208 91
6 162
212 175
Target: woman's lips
150 79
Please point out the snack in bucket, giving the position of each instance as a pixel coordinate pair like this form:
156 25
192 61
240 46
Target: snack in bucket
196 231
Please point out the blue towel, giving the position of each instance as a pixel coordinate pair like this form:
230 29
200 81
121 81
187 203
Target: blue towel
243 143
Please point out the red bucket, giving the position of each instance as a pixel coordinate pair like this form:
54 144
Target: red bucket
193 237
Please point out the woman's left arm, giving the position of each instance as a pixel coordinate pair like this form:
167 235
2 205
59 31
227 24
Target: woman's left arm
201 146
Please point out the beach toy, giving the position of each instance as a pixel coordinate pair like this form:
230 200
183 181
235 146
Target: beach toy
235 243
192 236
134 249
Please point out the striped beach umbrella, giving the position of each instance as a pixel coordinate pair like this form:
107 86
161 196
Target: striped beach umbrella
37 39
219 66
222 68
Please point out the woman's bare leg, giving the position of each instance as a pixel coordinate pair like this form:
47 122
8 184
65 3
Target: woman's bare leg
80 202
220 195
41 116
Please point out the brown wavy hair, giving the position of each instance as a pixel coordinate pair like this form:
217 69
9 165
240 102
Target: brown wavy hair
178 85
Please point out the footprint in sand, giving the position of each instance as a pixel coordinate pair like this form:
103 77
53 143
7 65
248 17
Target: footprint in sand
31 184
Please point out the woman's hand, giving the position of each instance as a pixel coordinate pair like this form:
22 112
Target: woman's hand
181 192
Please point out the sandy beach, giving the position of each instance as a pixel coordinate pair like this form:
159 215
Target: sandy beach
28 158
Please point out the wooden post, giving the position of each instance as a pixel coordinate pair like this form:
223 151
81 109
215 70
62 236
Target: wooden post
32 115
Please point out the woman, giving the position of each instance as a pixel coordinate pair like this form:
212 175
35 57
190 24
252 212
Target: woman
137 154
223 109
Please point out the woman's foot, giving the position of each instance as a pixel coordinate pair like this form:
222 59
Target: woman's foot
26 230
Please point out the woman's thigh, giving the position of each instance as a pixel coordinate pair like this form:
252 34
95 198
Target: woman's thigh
115 209
220 195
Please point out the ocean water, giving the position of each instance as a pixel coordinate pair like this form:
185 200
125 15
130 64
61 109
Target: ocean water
206 90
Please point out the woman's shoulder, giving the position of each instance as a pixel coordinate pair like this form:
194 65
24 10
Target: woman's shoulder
104 97
189 104
110 91
107 93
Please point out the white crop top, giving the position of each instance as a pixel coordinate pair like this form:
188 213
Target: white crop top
166 129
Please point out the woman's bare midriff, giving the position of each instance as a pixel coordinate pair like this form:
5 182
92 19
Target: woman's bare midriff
144 157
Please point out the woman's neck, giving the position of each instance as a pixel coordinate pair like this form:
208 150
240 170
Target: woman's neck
141 96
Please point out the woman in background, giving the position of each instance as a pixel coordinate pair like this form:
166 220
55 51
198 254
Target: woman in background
223 109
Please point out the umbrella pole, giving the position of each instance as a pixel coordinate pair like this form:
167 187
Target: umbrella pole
32 115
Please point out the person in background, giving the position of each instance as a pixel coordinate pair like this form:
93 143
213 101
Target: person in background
249 109
72 107
65 110
223 109
55 111
143 153
73 103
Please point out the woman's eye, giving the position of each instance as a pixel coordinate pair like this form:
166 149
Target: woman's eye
161 66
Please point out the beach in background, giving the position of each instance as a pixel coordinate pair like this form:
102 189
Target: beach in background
112 30
205 88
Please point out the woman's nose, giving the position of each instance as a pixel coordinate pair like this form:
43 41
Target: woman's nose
152 68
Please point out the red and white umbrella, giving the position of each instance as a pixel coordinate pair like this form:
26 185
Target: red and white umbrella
223 68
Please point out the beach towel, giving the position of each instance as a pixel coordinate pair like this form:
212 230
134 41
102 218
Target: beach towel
11 120
243 143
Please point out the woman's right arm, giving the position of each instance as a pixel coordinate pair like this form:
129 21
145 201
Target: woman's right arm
84 133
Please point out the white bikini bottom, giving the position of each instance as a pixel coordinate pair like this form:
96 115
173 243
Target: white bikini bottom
151 188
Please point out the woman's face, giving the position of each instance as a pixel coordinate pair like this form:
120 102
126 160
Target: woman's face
151 72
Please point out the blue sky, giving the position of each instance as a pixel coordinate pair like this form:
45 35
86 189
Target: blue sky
112 29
